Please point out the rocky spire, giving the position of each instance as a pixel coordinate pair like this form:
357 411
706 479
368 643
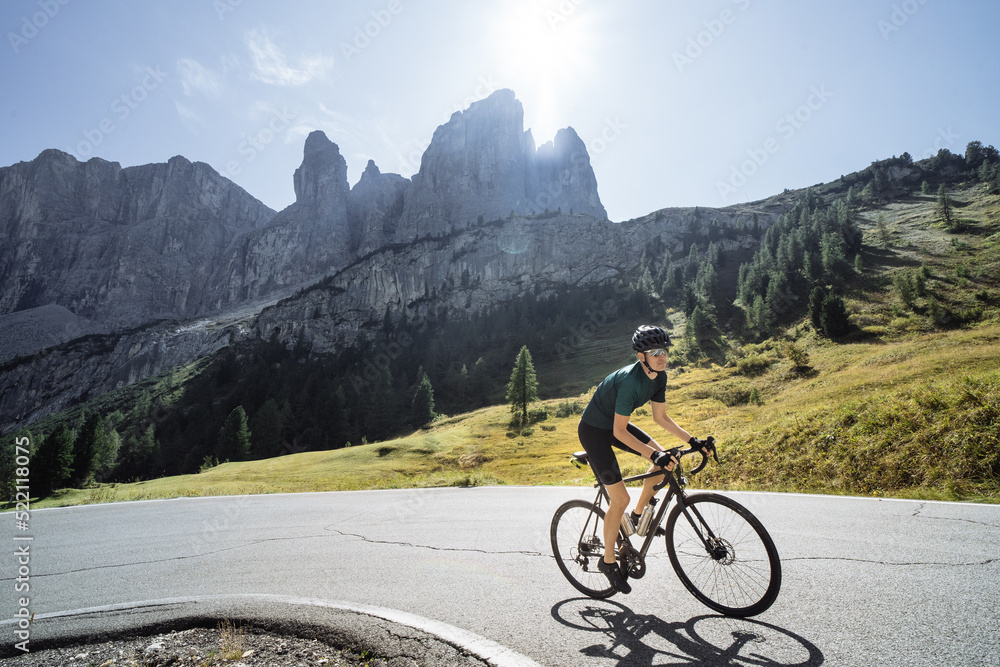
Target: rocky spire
482 164
321 179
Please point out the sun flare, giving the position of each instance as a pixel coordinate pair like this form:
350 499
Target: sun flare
543 52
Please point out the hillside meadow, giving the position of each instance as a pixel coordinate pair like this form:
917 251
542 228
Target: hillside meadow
917 418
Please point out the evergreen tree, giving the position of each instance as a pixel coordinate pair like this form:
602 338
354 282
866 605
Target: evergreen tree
834 319
234 437
423 402
267 428
139 455
816 297
703 336
944 205
522 388
90 441
974 154
106 452
53 460
882 228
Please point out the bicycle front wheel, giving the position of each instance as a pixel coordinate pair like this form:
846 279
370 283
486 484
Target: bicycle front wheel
577 536
723 555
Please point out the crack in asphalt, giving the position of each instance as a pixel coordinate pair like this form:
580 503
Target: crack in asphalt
918 515
988 561
280 539
167 560
432 548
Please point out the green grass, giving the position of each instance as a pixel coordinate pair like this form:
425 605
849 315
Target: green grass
918 418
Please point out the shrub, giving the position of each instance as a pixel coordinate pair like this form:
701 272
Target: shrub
752 364
539 415
568 408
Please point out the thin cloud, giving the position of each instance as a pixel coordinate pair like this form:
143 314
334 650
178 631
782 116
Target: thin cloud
271 66
196 79
189 117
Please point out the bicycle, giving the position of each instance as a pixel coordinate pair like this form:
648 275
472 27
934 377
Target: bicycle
720 551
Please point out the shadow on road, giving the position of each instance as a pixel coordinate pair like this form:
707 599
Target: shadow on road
708 641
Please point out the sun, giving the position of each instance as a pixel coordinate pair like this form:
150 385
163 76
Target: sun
542 51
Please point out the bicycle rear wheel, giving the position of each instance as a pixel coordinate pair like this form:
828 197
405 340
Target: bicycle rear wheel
723 555
577 536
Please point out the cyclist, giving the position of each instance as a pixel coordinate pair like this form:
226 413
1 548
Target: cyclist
605 423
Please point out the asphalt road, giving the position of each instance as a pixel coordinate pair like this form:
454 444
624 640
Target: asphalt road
866 581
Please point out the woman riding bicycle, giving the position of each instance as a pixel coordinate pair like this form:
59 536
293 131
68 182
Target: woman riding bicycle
605 423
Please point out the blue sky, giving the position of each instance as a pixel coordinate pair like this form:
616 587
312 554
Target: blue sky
681 103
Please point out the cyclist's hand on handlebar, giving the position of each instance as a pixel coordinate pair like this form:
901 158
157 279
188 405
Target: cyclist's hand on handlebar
707 447
667 459
698 442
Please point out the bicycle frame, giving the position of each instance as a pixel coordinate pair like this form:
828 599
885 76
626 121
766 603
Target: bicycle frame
676 491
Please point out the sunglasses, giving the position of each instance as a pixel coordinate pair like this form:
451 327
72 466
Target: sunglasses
657 351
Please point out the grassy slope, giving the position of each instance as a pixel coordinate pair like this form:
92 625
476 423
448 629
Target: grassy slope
783 444
903 409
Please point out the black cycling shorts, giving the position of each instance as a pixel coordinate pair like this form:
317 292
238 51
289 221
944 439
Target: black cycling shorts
598 442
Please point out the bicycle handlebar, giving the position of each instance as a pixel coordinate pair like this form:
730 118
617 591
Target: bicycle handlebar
709 444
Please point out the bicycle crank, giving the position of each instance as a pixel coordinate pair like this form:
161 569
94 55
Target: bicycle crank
632 562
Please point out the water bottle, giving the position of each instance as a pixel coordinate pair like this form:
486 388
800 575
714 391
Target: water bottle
627 525
646 518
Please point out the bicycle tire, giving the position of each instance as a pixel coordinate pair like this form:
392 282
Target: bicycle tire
741 576
579 565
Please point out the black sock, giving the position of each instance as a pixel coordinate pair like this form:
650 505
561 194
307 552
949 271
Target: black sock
635 518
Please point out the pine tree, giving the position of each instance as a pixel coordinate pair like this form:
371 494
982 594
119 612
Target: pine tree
834 319
106 452
816 308
53 460
882 229
944 205
523 386
90 441
234 437
267 428
423 402
703 335
139 455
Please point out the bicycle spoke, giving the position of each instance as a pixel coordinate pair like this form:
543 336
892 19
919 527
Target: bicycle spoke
578 544
723 555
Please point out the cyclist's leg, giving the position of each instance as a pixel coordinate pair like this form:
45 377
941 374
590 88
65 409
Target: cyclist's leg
597 442
613 517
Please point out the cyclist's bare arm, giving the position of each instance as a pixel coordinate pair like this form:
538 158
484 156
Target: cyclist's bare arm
661 417
621 432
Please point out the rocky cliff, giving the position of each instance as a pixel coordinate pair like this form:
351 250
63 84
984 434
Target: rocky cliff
152 267
481 164
119 247
302 242
487 265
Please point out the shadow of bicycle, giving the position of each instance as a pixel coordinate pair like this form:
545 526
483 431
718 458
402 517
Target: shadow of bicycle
708 641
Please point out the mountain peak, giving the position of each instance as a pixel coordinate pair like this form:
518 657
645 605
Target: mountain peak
323 172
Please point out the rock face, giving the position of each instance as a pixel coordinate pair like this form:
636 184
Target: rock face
302 242
485 266
119 247
374 207
482 163
96 256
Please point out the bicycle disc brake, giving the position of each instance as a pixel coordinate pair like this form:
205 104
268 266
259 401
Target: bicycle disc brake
722 551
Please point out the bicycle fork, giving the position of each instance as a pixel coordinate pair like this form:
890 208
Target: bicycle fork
713 545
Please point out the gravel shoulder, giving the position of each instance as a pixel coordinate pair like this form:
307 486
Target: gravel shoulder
203 647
